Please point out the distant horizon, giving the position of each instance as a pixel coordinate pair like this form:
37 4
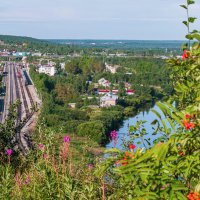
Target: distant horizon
93 39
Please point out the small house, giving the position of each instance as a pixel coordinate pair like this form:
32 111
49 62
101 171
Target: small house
108 100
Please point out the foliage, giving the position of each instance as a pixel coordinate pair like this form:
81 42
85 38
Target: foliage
94 130
170 168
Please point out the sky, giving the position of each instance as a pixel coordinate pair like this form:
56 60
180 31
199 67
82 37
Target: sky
96 19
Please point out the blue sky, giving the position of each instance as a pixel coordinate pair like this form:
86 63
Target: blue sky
95 19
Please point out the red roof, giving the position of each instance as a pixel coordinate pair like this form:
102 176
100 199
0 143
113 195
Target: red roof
130 90
103 90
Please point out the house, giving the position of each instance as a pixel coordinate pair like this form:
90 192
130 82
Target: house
20 54
37 54
100 91
62 65
130 92
72 105
47 69
104 82
4 53
108 100
111 68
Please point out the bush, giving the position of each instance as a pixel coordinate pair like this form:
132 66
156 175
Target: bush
71 126
93 129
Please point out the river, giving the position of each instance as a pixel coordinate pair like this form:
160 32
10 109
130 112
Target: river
123 131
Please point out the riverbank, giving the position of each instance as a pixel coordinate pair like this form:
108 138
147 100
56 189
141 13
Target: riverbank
124 133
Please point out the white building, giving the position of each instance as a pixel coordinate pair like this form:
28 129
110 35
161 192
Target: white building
111 68
104 82
37 54
47 69
108 100
62 65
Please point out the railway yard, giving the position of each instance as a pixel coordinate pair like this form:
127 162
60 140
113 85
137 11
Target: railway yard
18 86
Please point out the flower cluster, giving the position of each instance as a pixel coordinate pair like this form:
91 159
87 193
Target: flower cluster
127 155
193 196
132 146
66 139
9 152
41 147
65 148
113 135
188 124
185 55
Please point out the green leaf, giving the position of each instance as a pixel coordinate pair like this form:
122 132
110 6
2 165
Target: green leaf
191 19
156 113
184 46
184 6
186 23
189 37
198 99
161 152
196 36
190 2
171 123
195 31
181 196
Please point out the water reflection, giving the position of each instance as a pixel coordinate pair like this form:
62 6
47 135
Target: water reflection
146 115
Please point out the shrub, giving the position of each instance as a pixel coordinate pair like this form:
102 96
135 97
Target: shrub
93 129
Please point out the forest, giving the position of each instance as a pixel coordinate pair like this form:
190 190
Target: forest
150 80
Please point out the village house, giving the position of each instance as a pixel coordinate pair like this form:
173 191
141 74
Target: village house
104 82
111 68
72 105
20 54
37 54
62 66
47 69
108 100
104 91
130 92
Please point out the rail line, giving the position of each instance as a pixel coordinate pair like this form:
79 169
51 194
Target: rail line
11 84
24 99
19 113
30 97
19 109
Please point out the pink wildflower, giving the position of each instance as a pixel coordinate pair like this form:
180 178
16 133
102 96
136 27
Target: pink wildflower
90 166
41 147
46 156
28 180
9 152
66 139
113 135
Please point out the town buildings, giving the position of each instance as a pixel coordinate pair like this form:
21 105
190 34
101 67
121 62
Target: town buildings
104 82
108 100
111 68
47 69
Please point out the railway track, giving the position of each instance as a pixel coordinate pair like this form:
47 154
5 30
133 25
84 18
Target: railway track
19 135
19 109
30 97
24 99
16 90
11 84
